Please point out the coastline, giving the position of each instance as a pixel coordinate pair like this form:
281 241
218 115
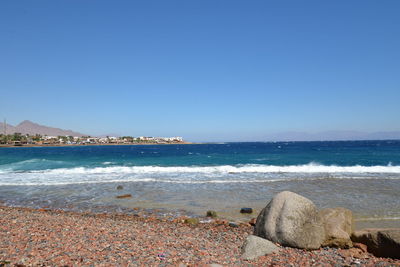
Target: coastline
57 238
83 145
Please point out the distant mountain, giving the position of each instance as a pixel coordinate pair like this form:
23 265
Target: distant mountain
28 127
332 136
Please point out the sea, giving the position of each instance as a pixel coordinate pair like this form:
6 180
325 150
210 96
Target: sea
363 176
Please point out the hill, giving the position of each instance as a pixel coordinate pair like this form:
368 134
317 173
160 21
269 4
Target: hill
28 127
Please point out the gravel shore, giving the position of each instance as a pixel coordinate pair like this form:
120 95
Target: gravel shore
31 237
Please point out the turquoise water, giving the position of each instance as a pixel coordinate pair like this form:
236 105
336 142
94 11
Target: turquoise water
361 175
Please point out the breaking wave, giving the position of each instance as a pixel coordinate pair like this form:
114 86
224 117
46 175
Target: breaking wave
31 164
97 180
224 174
229 169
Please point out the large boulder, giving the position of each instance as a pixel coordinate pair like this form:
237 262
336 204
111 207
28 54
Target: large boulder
380 242
338 224
291 220
254 247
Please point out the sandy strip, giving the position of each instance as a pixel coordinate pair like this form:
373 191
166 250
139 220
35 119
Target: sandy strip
55 238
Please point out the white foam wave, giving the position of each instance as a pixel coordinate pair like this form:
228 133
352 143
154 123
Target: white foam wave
229 169
35 160
102 180
225 174
30 163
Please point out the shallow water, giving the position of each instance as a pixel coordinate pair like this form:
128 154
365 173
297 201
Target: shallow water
363 176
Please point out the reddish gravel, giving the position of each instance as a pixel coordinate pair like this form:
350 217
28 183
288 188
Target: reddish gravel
54 238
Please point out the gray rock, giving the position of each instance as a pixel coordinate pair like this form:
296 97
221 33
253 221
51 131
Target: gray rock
233 224
246 210
338 224
291 220
380 242
254 247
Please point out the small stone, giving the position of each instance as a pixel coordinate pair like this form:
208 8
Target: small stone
192 221
352 253
246 210
255 246
120 187
222 222
361 246
211 213
43 210
124 196
233 224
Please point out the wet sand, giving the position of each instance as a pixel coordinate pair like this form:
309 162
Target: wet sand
54 238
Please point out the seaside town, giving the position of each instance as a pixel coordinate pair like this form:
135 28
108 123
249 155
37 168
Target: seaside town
18 139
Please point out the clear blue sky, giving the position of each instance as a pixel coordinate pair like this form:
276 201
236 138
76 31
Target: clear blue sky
205 70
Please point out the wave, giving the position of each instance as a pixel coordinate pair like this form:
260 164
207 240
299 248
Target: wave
30 164
35 160
228 169
179 181
225 174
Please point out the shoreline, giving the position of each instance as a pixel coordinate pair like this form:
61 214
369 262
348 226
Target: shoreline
49 237
191 143
82 145
173 212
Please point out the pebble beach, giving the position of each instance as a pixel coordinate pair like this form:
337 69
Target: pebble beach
42 237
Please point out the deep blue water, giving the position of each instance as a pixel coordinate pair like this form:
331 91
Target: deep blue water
362 175
348 153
